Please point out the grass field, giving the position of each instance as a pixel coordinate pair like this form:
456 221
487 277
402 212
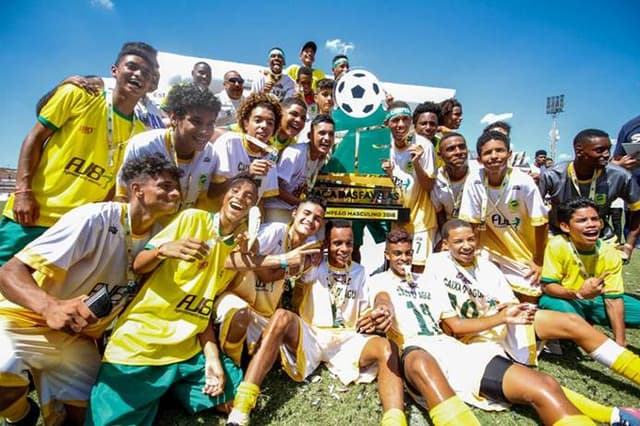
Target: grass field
323 401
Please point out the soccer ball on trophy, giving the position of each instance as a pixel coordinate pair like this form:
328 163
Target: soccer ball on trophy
358 93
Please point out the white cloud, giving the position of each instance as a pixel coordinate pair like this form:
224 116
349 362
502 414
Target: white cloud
492 118
338 46
104 4
563 157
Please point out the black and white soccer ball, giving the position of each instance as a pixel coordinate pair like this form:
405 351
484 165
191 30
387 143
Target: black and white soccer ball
358 93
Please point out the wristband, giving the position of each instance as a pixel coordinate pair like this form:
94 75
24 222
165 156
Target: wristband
22 191
283 262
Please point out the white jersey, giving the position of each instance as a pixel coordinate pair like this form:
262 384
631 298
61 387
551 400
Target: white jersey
232 156
476 292
228 109
82 253
510 214
196 172
297 172
284 88
334 297
405 179
447 194
417 310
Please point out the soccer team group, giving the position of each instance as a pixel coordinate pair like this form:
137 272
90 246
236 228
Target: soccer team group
179 249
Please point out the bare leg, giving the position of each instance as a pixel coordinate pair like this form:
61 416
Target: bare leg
562 325
522 385
282 328
423 373
384 354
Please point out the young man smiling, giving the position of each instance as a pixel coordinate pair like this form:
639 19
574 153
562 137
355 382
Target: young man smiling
479 292
446 194
249 311
411 167
274 81
591 175
505 205
250 150
164 340
45 325
335 301
583 275
298 168
431 359
72 154
186 143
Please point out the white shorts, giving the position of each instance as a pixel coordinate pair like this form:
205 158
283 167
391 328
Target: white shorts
341 351
515 273
63 366
298 364
463 365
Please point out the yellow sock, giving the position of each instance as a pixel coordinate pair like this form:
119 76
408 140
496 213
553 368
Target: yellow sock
394 417
17 410
575 420
453 412
628 365
597 412
246 397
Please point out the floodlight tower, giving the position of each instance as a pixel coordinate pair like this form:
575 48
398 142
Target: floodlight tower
555 105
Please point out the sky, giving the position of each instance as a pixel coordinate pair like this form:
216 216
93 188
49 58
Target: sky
501 57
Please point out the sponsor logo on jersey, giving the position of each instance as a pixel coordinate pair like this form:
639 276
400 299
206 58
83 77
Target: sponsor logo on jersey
514 205
193 304
86 130
91 172
499 221
601 199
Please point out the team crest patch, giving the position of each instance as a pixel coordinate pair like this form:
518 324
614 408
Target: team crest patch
601 199
409 167
514 205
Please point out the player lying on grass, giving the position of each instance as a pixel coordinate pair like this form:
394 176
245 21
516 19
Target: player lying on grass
46 326
583 275
482 298
441 371
164 341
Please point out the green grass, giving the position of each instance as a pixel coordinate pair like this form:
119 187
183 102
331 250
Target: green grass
325 402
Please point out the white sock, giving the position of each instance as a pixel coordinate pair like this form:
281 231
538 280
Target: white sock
607 353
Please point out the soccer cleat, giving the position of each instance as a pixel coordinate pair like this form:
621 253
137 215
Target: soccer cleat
626 417
31 419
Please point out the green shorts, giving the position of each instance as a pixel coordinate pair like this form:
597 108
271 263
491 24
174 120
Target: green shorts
378 229
593 310
129 395
13 237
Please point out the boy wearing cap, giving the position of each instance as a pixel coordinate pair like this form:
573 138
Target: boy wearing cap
274 81
307 58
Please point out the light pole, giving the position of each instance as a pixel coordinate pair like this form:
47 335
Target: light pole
555 105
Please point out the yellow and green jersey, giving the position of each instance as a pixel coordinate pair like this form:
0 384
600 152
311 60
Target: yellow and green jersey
74 165
562 267
162 323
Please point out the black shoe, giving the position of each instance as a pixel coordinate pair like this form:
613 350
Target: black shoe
31 419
